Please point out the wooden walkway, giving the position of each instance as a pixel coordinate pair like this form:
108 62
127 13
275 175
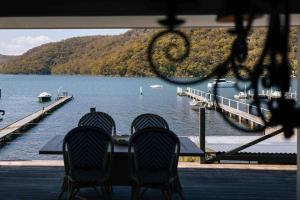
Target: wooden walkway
43 183
232 110
207 97
245 115
29 120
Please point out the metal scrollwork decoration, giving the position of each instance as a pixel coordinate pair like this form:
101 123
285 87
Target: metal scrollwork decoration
272 69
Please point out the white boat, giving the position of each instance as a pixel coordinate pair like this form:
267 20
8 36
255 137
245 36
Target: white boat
241 95
221 83
44 96
275 94
156 86
196 104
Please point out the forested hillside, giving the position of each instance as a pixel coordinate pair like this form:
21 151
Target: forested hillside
4 59
126 54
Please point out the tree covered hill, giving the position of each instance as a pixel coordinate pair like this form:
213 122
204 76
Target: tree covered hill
126 54
4 59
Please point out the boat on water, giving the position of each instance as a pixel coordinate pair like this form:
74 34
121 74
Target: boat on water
156 86
241 95
44 97
194 105
275 94
221 83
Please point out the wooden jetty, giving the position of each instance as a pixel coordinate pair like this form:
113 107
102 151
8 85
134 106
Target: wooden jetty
30 120
273 95
241 110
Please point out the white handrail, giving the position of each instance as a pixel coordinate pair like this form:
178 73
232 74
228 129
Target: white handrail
231 102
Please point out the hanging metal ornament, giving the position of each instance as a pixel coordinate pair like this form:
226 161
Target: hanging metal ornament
271 70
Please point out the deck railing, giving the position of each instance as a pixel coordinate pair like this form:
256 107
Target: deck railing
238 105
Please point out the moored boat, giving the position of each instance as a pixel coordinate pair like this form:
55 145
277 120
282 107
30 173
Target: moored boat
44 97
194 105
241 95
156 86
221 83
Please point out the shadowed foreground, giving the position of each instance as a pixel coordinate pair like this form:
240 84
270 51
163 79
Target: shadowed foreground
210 184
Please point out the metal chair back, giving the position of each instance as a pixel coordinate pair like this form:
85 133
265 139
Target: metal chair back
154 149
100 120
88 148
148 120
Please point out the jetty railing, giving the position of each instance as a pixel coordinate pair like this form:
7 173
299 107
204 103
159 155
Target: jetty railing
238 105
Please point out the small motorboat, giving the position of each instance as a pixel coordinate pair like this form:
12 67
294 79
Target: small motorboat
221 83
195 105
275 94
241 95
44 97
156 86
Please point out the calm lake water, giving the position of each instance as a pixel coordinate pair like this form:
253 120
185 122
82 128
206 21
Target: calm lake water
118 97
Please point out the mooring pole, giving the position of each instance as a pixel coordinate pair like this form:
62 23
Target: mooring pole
202 132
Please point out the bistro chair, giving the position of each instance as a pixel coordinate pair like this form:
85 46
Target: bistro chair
153 159
148 120
100 120
87 153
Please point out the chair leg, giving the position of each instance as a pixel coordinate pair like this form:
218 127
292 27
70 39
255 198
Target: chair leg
135 192
71 190
132 193
108 188
178 189
166 194
143 192
98 192
181 195
64 187
105 193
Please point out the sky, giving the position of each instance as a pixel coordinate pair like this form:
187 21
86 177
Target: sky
18 41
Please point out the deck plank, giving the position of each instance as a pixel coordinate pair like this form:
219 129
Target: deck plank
43 183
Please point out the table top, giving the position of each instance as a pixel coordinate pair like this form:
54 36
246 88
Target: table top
187 147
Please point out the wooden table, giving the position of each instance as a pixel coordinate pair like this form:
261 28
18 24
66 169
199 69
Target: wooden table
120 174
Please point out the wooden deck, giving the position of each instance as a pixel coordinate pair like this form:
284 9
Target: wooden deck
43 183
229 109
30 119
253 119
245 115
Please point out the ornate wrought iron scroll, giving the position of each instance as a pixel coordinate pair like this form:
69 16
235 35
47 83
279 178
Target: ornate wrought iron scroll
271 70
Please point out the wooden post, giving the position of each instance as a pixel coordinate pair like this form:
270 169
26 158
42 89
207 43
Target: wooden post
251 124
202 132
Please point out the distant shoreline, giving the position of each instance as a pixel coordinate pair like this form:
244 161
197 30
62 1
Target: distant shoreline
117 76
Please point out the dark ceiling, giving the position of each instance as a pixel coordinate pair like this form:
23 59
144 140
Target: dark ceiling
119 7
